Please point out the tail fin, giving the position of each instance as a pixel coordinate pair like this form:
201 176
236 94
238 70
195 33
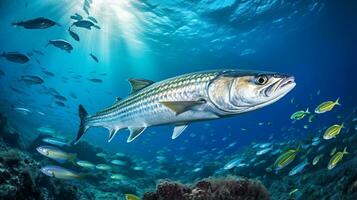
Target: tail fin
337 101
72 158
82 126
345 151
307 111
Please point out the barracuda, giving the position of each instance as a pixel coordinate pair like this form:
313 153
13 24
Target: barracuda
187 98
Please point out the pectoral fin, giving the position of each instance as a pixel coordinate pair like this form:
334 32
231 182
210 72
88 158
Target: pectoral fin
181 106
134 133
112 133
178 130
138 84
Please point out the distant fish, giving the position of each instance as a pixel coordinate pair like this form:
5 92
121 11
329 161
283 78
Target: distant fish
131 197
263 151
327 106
85 164
95 80
286 158
102 155
86 9
48 73
85 24
37 23
73 95
336 159
31 79
76 16
247 52
61 173
60 103
41 113
117 177
298 168
56 154
138 168
118 162
46 130
317 159
74 35
16 57
56 141
24 111
103 167
61 44
332 131
298 115
60 97
94 57
93 19
333 151
264 145
38 52
233 163
293 191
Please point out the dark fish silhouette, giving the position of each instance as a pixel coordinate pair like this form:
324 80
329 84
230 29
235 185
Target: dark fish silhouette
85 24
93 19
16 90
95 80
86 10
74 96
94 57
38 52
62 44
48 73
37 23
16 57
60 103
76 17
31 79
74 35
60 97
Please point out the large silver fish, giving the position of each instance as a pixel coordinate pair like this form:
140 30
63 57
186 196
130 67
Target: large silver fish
187 98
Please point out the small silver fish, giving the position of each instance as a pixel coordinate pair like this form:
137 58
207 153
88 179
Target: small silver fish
299 168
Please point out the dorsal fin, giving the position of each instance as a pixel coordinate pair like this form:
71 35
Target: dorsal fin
138 84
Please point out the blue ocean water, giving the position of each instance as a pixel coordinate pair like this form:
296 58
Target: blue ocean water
313 40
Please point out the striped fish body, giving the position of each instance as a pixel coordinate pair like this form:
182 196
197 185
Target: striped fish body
187 98
145 108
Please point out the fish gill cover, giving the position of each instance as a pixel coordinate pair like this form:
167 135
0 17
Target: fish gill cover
159 76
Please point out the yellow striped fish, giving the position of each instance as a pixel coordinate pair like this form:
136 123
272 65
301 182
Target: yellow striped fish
326 106
286 158
336 159
332 131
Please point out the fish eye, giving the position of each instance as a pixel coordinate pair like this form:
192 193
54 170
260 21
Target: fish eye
261 80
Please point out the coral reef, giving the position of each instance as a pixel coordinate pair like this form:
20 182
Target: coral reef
210 189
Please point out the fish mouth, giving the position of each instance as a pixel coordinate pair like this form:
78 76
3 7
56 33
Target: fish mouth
287 81
281 87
